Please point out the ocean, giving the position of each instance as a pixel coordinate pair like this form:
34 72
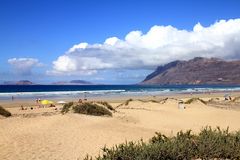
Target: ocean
84 91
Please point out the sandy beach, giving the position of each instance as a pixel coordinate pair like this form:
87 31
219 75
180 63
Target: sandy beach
44 133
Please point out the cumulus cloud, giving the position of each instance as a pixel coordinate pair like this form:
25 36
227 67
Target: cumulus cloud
159 45
24 66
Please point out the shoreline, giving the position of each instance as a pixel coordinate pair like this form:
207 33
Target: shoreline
8 103
105 91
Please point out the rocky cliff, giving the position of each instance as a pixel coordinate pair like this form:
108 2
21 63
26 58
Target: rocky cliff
196 71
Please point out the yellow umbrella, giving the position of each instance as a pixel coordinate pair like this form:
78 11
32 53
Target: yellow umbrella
44 102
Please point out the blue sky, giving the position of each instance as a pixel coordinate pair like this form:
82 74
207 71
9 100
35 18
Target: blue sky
36 33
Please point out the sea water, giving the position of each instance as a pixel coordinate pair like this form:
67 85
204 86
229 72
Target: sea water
75 91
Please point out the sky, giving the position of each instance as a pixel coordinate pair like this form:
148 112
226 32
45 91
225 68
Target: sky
111 41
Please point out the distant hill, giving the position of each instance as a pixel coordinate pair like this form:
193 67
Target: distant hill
196 71
73 82
21 82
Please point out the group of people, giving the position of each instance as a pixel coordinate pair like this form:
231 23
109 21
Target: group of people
38 100
22 108
81 101
228 98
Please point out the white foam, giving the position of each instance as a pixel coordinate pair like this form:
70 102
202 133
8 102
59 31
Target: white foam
57 93
152 91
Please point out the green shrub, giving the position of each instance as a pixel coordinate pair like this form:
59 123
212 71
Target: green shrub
106 104
4 112
208 144
217 143
91 109
66 107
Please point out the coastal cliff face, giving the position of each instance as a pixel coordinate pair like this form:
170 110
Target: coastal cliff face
196 71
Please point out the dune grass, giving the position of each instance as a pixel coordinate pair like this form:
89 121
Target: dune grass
88 108
236 99
106 104
194 100
127 101
208 144
4 112
66 107
91 109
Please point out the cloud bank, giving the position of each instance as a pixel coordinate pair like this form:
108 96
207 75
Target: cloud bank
24 66
160 45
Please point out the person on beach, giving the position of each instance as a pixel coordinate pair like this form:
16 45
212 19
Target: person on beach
52 105
80 100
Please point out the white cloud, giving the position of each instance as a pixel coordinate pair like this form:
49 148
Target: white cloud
78 46
159 45
24 66
111 41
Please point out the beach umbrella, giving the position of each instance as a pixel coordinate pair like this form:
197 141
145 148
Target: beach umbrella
50 102
61 102
45 102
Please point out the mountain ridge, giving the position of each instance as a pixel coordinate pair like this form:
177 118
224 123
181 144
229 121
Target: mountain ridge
20 82
27 82
198 70
73 82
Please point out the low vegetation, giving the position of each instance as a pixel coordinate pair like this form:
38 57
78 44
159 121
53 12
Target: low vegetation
127 101
208 144
146 101
194 100
236 99
66 107
4 112
212 100
106 104
91 109
163 101
88 108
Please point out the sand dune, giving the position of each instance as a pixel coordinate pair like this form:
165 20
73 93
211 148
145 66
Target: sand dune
72 136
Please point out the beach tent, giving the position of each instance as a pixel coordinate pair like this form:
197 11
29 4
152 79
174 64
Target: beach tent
45 102
61 102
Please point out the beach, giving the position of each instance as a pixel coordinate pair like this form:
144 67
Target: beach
45 133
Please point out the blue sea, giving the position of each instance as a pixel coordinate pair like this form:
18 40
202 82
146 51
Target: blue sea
73 91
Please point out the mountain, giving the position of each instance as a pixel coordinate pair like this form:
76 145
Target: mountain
79 82
21 82
196 71
73 82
